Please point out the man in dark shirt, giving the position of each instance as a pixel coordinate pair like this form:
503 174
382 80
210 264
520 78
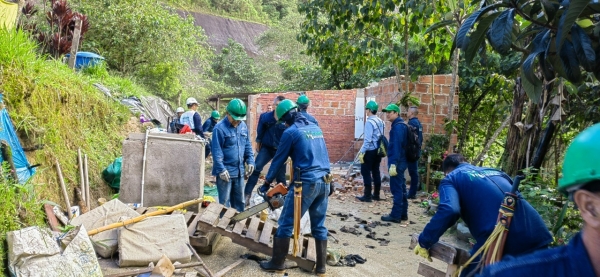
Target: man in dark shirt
268 134
413 167
208 127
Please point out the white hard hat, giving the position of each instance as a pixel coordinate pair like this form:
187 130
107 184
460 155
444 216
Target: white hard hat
180 110
190 101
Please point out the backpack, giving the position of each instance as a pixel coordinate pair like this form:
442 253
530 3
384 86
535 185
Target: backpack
382 143
412 148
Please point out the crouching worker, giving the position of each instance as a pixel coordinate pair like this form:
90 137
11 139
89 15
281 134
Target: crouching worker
302 141
581 182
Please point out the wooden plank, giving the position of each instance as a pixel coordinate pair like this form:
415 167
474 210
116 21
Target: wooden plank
253 245
52 220
194 225
224 222
239 226
311 251
228 268
428 271
188 217
265 236
253 228
211 214
450 270
441 250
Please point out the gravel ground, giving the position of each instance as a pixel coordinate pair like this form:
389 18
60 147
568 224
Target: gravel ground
395 259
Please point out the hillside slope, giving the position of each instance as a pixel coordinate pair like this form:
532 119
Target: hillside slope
220 29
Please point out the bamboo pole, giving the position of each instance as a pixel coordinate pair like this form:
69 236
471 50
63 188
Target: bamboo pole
87 181
81 179
64 189
136 272
142 217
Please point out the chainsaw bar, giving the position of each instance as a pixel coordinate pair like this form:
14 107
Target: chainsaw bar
250 212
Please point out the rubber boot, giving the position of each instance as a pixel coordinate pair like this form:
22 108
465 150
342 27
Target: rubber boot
367 196
321 247
280 250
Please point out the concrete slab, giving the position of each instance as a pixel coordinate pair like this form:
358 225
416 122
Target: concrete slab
174 169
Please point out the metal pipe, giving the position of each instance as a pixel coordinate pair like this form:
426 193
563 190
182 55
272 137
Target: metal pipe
179 139
64 190
144 167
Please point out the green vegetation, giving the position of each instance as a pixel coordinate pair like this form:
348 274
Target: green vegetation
262 11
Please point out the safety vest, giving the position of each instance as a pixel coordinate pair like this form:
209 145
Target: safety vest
187 118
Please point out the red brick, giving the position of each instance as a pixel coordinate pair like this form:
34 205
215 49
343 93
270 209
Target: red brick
421 88
425 99
441 110
441 79
441 100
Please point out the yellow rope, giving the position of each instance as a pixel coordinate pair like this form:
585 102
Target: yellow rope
498 230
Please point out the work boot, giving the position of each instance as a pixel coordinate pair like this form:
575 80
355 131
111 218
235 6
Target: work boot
389 218
376 198
321 247
364 198
280 250
247 200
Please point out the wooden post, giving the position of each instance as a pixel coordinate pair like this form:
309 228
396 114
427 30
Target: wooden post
64 190
87 182
81 178
75 44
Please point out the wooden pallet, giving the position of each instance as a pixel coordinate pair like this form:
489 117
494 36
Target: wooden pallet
203 241
253 234
453 256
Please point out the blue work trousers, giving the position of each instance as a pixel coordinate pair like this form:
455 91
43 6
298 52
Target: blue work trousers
265 155
314 199
369 168
413 171
398 188
231 194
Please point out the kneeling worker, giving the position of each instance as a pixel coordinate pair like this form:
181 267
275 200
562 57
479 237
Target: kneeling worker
581 257
304 142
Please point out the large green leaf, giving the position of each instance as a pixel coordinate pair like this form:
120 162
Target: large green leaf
567 19
540 44
549 9
438 25
500 34
533 90
583 48
547 70
478 36
570 62
469 22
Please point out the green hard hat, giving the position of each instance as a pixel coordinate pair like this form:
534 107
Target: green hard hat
303 99
372 105
237 109
580 165
391 108
284 107
215 114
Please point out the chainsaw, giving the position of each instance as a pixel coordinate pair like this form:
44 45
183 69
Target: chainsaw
274 199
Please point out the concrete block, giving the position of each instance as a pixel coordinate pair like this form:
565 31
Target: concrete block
462 232
174 170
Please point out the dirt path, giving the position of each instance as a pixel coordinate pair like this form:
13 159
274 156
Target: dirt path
394 259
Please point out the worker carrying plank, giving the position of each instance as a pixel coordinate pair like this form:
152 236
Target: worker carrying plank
581 182
474 194
302 141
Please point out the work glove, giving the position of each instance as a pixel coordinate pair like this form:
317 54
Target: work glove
393 170
361 158
422 252
249 169
225 176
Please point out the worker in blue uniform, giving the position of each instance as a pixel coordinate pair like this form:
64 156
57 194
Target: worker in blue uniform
581 182
302 141
303 103
208 127
232 155
397 164
268 133
475 194
413 167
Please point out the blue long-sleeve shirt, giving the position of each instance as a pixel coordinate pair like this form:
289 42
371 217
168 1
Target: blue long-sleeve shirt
373 130
305 144
230 148
309 117
569 260
209 125
474 194
397 142
268 131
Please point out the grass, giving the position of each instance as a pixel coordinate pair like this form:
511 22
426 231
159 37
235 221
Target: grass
52 105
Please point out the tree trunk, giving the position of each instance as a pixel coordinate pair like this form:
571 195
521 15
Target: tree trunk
489 143
542 148
406 56
463 135
514 136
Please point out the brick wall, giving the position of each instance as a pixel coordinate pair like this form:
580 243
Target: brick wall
334 109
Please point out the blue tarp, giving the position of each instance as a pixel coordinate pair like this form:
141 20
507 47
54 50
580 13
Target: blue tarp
7 133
